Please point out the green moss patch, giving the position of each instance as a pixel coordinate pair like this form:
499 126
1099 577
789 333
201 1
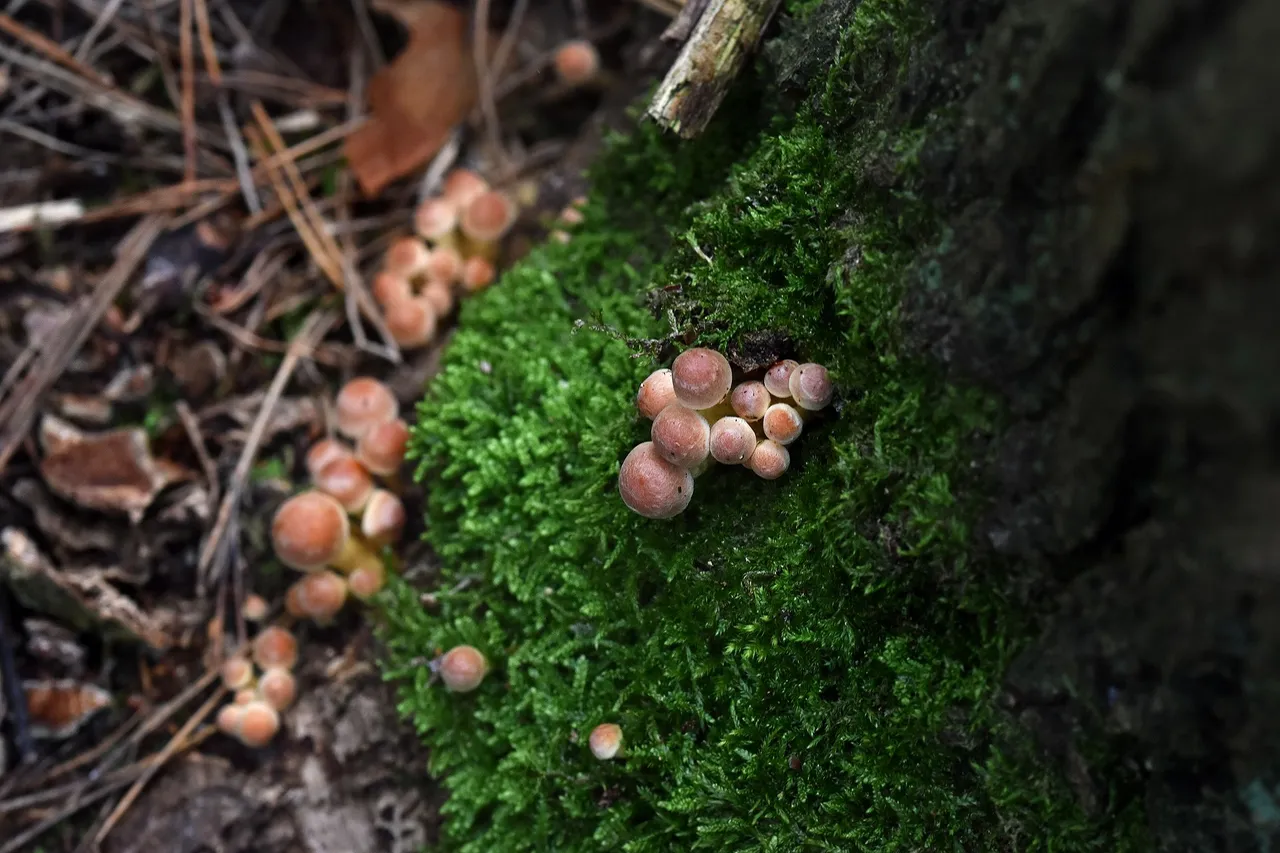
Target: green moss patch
805 664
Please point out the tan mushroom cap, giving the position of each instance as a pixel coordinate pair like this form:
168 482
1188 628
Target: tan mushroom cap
750 400
229 719
488 217
782 423
576 62
652 486
411 322
810 386
367 580
770 460
732 441
309 530
259 723
656 393
435 218
681 435
323 452
388 288
384 518
407 257
362 403
318 596
439 295
445 264
605 740
463 668
278 688
275 647
381 450
462 185
701 377
255 607
477 274
347 481
777 377
237 673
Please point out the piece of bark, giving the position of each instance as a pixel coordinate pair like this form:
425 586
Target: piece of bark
679 29
725 35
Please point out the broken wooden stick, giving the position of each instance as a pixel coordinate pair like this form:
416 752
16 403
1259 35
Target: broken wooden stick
723 38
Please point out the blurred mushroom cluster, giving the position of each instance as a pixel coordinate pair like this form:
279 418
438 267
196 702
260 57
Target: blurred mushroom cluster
334 533
459 234
700 417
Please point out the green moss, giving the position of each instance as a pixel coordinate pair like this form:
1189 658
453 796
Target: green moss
800 664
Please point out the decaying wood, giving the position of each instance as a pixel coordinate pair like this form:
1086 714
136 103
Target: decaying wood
724 37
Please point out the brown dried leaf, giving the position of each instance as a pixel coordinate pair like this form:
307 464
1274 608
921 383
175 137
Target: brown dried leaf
112 471
58 708
416 100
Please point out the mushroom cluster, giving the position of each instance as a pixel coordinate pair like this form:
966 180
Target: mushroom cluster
333 533
700 417
459 233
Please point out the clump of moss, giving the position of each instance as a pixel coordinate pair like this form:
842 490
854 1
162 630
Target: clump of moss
800 664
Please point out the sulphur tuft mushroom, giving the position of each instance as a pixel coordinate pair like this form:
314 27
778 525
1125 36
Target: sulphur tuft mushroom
681 435
462 668
701 378
652 486
655 394
732 441
605 741
810 386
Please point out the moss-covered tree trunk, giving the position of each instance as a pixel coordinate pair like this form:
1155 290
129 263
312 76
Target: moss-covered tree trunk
1020 592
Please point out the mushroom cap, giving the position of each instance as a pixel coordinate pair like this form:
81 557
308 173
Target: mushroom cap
318 596
362 403
411 322
275 647
477 274
381 449
347 481
750 400
732 441
435 218
367 580
810 386
309 530
384 518
656 393
407 257
323 452
652 486
462 185
236 673
782 423
681 435
605 740
444 265
576 62
229 719
701 377
777 377
771 460
488 216
462 668
389 288
278 688
439 295
254 608
259 723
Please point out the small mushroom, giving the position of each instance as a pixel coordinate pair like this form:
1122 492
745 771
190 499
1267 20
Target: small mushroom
770 460
237 673
777 377
782 423
381 449
750 400
275 647
732 441
347 481
445 265
310 531
605 741
411 322
655 394
278 688
462 668
389 288
462 185
701 377
367 580
383 519
681 435
363 403
488 217
477 274
810 386
439 295
258 724
406 257
435 219
317 596
323 452
652 486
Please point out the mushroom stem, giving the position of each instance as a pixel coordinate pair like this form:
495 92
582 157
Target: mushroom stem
355 553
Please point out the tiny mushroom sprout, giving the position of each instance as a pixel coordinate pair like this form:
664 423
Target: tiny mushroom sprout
406 257
681 435
782 423
254 608
237 673
462 668
275 647
605 741
488 217
323 452
381 449
435 219
810 386
701 377
777 377
750 400
310 531
462 185
278 687
652 486
411 322
258 723
577 62
732 441
655 394
317 596
384 518
770 460
364 403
